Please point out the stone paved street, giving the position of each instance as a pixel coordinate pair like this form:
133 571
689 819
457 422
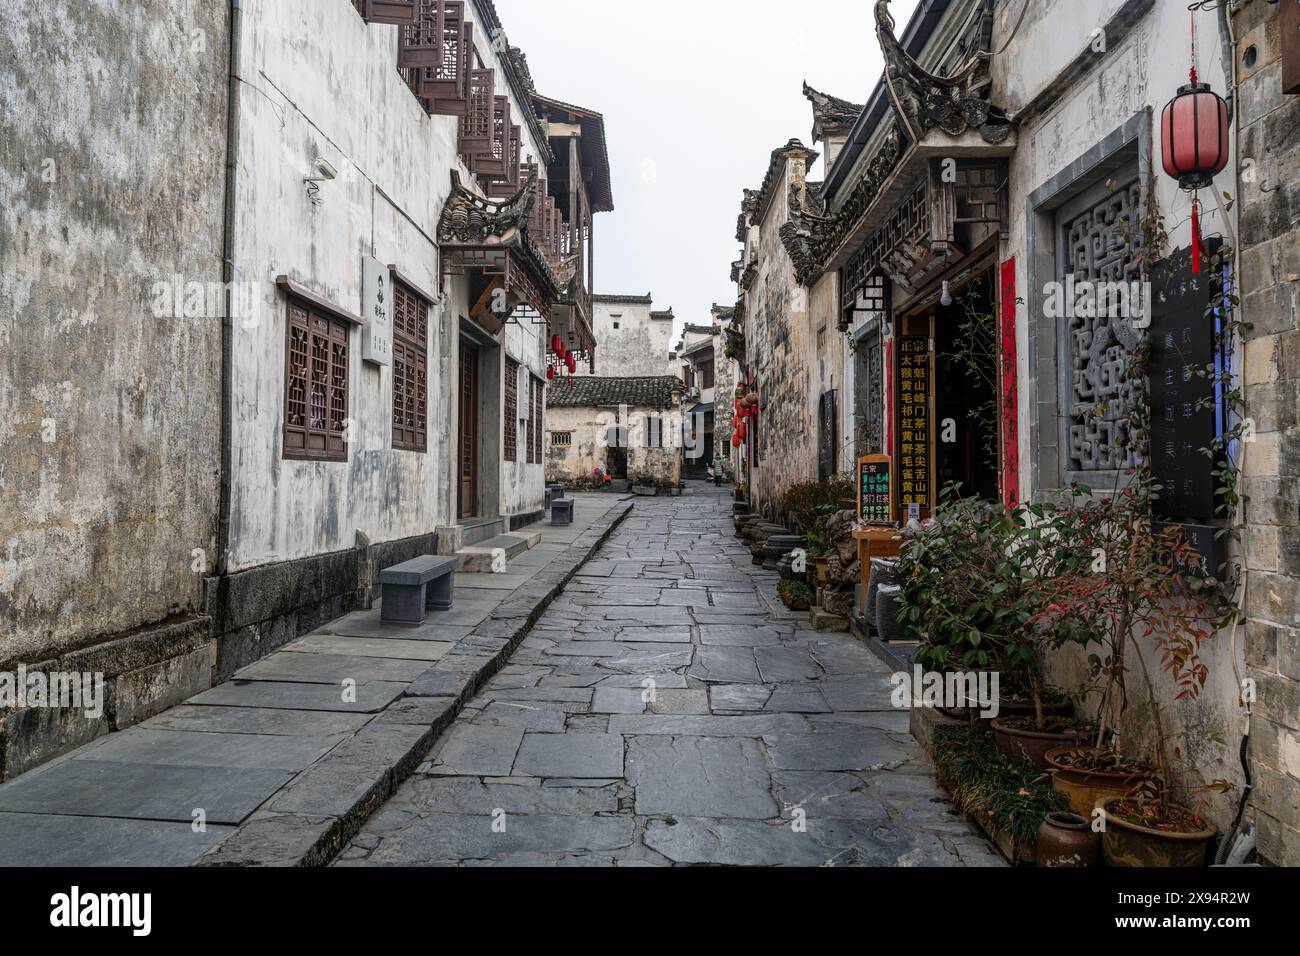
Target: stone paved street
664 712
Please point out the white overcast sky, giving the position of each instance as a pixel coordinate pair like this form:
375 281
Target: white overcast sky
695 95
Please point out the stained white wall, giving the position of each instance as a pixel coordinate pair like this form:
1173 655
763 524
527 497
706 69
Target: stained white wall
318 81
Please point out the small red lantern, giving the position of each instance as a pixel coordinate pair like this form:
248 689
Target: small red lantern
735 441
572 363
550 374
741 431
557 344
1194 138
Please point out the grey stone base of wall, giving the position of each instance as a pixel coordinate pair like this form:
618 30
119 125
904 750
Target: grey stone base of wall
523 521
316 815
248 615
260 610
144 673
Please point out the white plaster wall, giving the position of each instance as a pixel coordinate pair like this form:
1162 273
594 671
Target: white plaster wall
1142 70
638 348
318 81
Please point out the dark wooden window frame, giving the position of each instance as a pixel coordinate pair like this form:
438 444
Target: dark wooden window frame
317 369
410 368
536 403
511 423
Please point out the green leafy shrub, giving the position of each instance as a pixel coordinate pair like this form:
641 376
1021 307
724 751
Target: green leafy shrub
796 595
1012 795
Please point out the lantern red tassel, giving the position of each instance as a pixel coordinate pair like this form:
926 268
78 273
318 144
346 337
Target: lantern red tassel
1198 244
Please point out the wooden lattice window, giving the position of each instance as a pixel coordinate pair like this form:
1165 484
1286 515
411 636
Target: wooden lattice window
504 188
561 439
476 126
410 369
494 164
511 423
316 389
437 50
399 12
536 398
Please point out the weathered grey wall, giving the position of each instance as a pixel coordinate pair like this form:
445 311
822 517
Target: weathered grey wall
1270 275
1134 77
781 350
638 348
395 166
112 122
575 464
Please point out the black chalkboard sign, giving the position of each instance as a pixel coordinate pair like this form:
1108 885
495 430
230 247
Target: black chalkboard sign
1186 408
876 490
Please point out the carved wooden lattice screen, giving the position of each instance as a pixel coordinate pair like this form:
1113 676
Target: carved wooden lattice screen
511 422
410 369
437 48
316 391
400 12
1097 350
493 164
476 126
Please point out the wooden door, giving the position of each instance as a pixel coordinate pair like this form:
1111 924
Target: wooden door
468 466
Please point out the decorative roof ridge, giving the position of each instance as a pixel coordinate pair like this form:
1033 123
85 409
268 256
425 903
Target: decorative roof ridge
794 149
470 219
925 100
831 115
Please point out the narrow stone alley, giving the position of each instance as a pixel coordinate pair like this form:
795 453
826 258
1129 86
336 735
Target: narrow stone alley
662 712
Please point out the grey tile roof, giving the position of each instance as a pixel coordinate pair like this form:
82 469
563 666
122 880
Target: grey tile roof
660 392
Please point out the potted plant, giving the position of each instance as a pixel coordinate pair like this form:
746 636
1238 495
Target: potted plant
1141 591
969 593
1089 774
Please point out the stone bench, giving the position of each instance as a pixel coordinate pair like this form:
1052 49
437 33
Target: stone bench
416 587
553 494
562 512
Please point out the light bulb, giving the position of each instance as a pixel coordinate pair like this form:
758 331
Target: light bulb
945 300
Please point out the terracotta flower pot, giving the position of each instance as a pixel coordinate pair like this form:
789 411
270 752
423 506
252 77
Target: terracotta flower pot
1131 844
1067 840
1085 788
1033 745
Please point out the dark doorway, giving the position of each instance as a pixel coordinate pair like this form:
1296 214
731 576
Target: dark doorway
468 442
618 464
966 412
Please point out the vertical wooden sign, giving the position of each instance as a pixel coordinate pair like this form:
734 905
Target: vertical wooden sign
876 490
1010 392
914 438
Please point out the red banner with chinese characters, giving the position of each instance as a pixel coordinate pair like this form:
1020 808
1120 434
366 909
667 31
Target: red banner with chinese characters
1010 390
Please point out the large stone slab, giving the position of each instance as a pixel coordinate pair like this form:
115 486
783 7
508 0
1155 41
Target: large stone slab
712 726
258 720
725 665
477 750
461 795
780 665
739 635
734 843
72 842
699 776
173 748
371 647
306 668
453 839
365 698
844 749
575 756
136 791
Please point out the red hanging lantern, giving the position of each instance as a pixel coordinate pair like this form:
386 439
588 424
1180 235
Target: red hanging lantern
1194 138
557 344
550 373
735 441
741 431
572 363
